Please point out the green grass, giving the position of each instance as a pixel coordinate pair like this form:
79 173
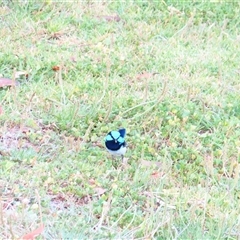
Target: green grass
182 176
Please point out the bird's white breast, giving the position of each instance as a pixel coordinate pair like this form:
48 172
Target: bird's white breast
119 152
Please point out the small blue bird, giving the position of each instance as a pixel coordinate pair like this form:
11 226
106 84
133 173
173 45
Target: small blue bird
115 142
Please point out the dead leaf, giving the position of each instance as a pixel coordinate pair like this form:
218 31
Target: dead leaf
125 161
56 68
98 144
73 59
146 163
156 175
6 82
145 75
92 181
174 11
18 74
100 190
56 36
114 18
33 234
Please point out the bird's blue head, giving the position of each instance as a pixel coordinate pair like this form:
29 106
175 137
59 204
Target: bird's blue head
115 139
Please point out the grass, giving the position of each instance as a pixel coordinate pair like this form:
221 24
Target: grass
181 180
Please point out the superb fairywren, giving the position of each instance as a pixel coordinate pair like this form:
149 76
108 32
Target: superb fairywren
115 142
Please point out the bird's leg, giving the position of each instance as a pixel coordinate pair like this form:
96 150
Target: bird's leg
114 162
